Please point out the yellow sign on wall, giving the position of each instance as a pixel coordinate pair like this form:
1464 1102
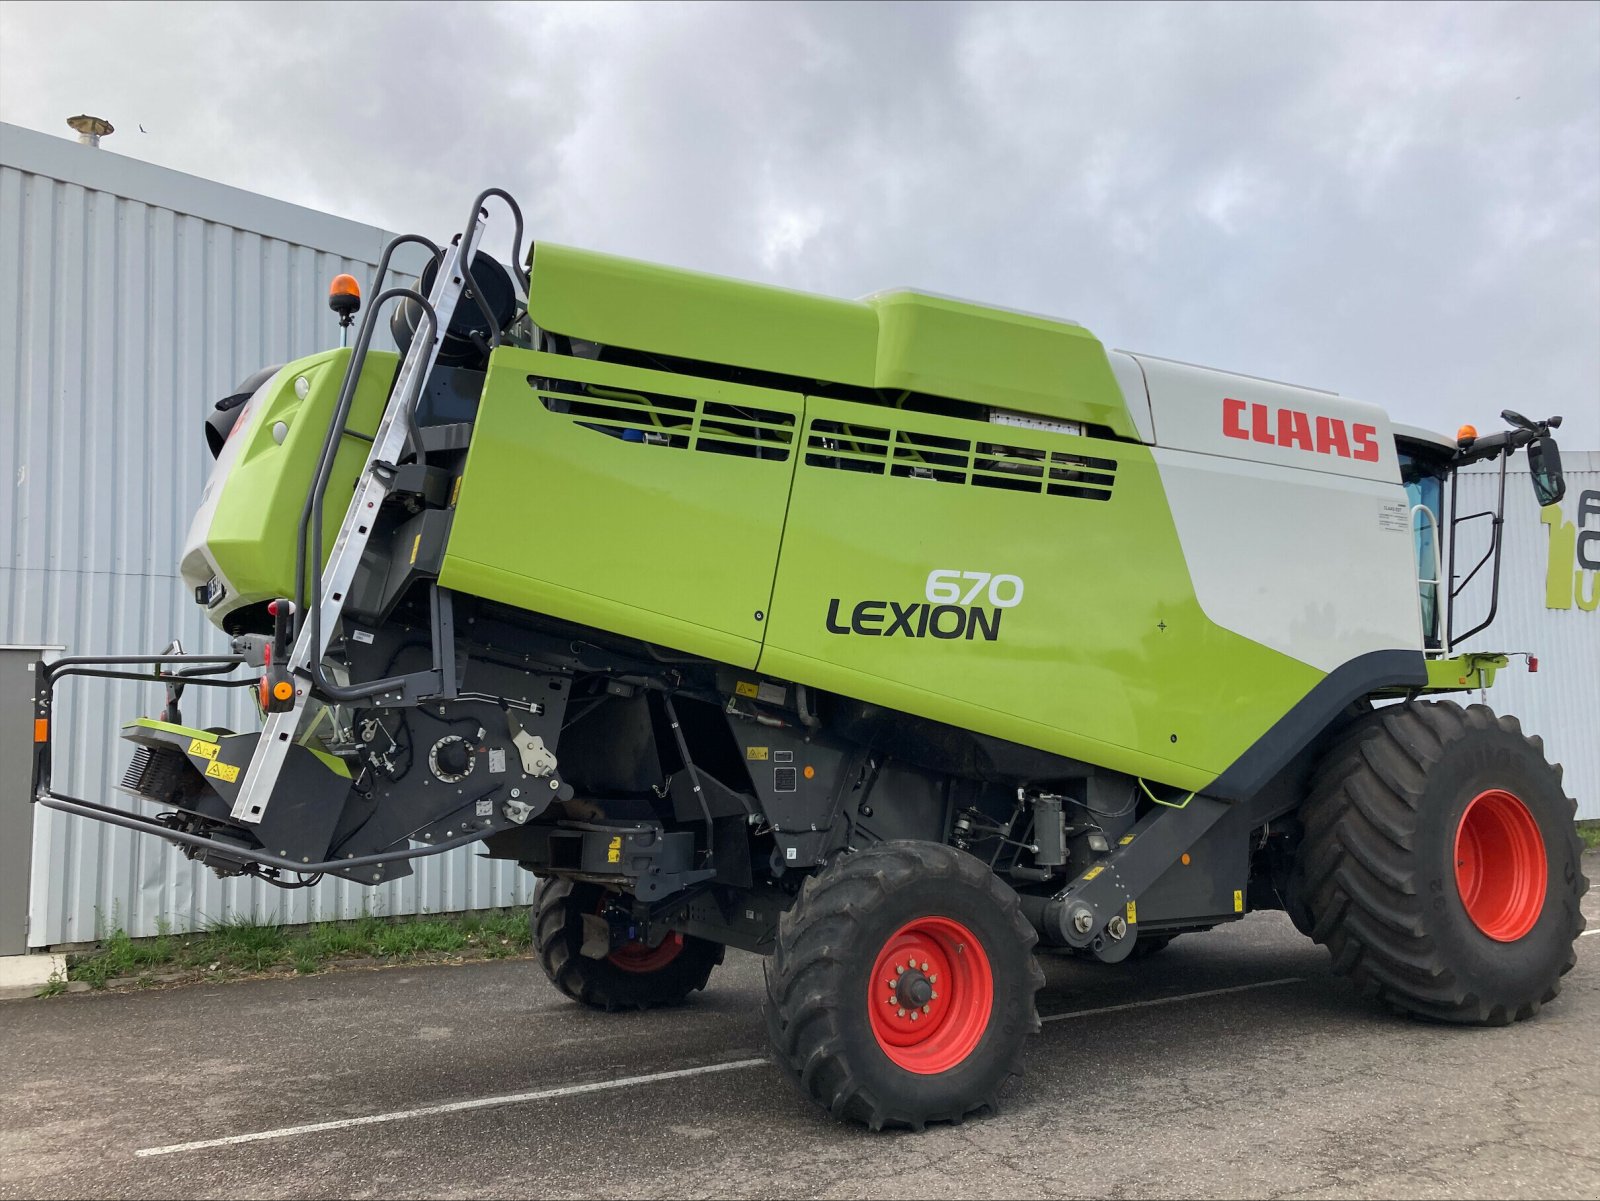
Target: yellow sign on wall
1572 572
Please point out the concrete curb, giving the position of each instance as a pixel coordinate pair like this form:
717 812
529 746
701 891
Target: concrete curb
25 975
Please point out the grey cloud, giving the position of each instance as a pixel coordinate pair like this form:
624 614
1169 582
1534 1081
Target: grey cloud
1401 202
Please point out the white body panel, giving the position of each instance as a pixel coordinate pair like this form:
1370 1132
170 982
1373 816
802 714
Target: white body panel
1218 413
1306 551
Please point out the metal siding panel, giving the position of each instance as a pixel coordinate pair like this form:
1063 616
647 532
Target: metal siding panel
120 321
1561 703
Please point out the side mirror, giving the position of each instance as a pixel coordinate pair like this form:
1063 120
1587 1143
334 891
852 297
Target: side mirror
1544 461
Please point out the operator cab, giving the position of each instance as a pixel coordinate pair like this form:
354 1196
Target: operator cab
1425 459
1427 462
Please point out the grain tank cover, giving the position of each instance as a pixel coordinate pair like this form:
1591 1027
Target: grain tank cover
893 342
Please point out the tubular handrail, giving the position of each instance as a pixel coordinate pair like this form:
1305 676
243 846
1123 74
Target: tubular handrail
1438 571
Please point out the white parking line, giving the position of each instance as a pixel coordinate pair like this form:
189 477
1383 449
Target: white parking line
547 1094
575 1090
1188 996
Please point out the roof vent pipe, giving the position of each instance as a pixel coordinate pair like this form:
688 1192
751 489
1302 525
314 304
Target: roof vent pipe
90 129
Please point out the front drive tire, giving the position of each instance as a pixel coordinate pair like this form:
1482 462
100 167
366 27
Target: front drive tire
1440 864
633 976
902 988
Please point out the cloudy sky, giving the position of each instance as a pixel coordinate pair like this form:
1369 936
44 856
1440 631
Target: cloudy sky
1398 202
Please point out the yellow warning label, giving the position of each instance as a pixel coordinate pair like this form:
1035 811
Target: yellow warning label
222 771
1238 901
416 545
614 851
1094 871
755 752
1133 913
201 749
1125 840
455 491
745 689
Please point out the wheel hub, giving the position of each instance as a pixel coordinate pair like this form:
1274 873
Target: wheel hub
912 988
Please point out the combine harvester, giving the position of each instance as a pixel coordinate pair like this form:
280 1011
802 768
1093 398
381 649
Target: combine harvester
889 638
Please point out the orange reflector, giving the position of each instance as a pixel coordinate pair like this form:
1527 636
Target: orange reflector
41 729
1186 859
810 771
283 690
344 285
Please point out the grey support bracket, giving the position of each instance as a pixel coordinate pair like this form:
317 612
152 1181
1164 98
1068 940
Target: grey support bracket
1098 910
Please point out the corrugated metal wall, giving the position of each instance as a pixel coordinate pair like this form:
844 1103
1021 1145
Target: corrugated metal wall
1561 702
131 298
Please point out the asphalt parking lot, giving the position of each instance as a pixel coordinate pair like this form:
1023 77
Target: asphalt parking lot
1232 1065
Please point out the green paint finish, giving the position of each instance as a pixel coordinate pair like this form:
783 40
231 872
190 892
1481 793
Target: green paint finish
166 727
643 306
1107 655
1010 360
332 762
894 341
670 539
1460 673
257 520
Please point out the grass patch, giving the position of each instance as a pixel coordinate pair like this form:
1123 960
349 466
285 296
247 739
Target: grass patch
243 947
1589 831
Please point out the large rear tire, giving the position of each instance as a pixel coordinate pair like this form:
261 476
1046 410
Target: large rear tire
633 976
1440 865
902 988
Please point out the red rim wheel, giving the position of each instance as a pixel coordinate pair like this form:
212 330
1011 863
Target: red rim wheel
1500 865
639 957
930 995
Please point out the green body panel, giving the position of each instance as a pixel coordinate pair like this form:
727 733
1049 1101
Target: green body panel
1463 673
725 520
673 544
1107 656
256 523
166 727
898 341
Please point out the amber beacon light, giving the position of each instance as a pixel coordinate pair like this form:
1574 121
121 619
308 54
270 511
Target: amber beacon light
344 298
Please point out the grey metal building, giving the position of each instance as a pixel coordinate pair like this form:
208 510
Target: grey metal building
131 297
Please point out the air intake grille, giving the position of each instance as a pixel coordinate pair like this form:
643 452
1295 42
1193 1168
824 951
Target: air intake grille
157 773
682 423
908 454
